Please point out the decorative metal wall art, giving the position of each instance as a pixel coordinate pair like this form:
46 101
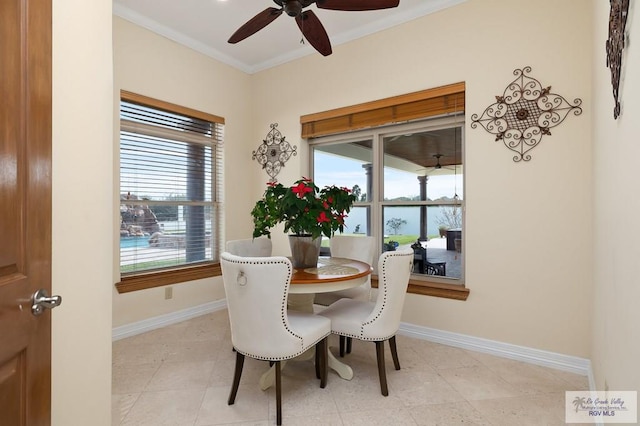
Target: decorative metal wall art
524 113
615 45
274 152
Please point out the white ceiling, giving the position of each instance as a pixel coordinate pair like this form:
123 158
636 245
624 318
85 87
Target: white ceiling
206 25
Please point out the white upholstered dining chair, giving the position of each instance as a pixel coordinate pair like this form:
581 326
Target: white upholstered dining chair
352 247
261 326
250 247
380 320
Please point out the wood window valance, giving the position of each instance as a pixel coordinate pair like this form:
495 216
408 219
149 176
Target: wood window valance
167 106
411 106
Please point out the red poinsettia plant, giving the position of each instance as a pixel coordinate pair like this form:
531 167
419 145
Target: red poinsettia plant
304 209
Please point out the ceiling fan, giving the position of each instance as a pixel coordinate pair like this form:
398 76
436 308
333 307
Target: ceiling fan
437 166
307 21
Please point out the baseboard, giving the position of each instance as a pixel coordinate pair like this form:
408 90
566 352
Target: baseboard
562 362
166 319
505 350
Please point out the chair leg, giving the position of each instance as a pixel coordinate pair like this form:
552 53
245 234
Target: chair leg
236 378
342 341
381 371
278 394
394 352
323 348
317 361
349 340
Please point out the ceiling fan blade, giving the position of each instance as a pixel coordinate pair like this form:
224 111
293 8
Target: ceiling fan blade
255 24
314 32
357 5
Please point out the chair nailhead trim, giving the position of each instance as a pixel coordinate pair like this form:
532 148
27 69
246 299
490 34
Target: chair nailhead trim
300 352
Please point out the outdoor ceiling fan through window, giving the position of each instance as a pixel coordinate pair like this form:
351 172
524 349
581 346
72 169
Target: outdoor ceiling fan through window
307 21
437 166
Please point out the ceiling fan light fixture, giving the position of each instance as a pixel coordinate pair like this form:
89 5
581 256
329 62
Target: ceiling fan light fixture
437 157
292 7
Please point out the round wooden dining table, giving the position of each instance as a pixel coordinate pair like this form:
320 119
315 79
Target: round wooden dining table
331 274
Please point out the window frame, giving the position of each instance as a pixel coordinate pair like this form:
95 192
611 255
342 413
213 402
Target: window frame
180 274
343 133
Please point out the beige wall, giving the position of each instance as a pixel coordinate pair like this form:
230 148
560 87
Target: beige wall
615 347
528 225
154 66
82 212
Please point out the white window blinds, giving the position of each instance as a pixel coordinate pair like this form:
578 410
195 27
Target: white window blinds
170 189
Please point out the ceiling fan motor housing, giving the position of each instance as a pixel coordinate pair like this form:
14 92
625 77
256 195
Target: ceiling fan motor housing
292 7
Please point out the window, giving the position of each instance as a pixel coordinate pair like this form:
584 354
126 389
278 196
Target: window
409 182
409 178
170 193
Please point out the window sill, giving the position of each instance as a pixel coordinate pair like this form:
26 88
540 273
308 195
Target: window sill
154 279
428 288
175 276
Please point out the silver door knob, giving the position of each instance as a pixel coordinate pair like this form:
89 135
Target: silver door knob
41 300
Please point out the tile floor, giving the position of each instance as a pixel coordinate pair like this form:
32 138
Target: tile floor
181 375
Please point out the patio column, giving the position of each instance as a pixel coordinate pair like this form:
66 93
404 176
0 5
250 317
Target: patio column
423 209
195 215
367 168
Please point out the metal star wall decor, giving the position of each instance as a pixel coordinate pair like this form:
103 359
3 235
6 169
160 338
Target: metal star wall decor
615 45
524 113
274 152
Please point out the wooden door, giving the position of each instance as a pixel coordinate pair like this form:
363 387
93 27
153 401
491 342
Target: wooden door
25 210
